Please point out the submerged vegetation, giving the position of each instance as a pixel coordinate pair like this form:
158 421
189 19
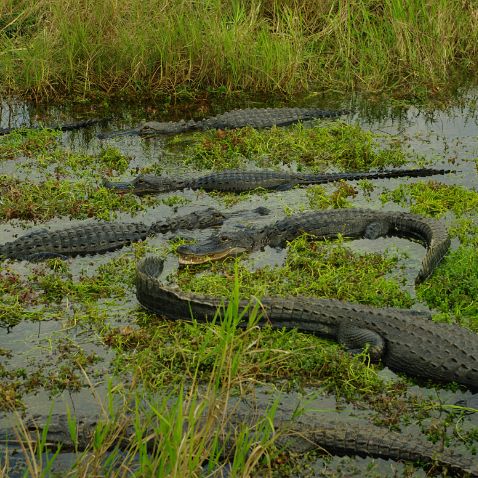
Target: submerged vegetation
177 49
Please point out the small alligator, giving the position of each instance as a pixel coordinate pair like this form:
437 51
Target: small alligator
98 238
354 223
65 127
238 181
254 117
406 341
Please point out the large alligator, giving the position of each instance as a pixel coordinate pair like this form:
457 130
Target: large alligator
98 238
254 117
63 127
406 341
310 431
354 223
238 181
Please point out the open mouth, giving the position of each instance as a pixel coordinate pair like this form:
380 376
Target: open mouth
191 258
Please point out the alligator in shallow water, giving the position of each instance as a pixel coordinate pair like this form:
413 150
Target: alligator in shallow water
310 431
98 238
405 340
64 127
238 181
253 117
354 223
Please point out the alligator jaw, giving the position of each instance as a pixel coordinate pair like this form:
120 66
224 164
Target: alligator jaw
145 184
120 187
189 257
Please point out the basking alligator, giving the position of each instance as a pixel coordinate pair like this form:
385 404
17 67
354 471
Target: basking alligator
65 127
405 340
254 117
238 181
311 431
355 223
98 238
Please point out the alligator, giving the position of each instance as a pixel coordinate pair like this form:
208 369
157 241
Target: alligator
310 431
64 127
405 340
237 181
354 223
99 238
239 118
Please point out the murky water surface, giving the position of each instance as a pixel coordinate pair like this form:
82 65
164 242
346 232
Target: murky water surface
447 137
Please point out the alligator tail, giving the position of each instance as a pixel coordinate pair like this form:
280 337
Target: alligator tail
396 173
433 234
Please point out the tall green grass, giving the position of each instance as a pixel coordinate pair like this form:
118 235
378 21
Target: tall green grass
151 48
165 434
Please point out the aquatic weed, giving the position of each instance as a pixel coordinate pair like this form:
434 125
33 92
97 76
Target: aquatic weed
348 147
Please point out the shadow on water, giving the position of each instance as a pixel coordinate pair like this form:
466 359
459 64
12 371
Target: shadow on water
446 136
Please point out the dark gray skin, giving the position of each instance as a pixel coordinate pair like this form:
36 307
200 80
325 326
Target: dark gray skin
353 223
237 181
253 117
404 340
98 238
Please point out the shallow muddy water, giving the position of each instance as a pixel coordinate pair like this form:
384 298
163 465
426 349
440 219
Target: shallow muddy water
447 138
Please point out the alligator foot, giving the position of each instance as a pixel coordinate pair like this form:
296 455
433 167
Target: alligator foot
358 339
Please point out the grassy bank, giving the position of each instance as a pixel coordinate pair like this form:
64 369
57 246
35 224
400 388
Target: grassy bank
170 49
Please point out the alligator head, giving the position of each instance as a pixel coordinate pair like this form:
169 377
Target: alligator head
144 184
219 246
166 127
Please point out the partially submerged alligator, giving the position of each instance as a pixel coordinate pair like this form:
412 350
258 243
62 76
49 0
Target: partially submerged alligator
98 238
405 340
311 431
64 127
238 181
254 117
354 223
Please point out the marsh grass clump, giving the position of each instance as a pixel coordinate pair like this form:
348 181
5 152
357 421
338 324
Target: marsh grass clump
63 162
319 199
43 201
433 198
345 146
17 299
453 288
27 142
178 49
158 433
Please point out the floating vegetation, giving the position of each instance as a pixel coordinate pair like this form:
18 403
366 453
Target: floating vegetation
332 144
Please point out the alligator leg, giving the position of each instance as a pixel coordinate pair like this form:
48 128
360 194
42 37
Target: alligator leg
358 339
376 229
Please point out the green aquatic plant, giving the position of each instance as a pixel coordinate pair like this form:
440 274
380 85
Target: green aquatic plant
28 142
348 147
42 201
433 198
453 288
319 199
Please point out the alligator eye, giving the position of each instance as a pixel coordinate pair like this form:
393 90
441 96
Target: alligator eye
223 238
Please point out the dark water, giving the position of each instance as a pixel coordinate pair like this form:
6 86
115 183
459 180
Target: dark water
447 137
